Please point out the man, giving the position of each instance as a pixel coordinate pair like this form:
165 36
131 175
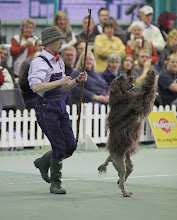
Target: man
103 15
83 34
3 60
47 78
28 95
143 66
151 32
80 47
167 82
68 54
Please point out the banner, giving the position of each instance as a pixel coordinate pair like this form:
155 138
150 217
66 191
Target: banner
164 128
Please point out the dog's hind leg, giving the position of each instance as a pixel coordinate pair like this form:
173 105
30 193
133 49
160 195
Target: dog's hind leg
129 166
102 168
120 166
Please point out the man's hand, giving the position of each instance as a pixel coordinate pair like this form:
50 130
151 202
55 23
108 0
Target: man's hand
82 77
65 80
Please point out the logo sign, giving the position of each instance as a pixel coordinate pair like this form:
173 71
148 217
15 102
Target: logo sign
164 128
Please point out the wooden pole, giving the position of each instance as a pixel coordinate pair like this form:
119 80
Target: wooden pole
82 86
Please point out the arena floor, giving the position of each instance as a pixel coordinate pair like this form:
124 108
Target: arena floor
24 195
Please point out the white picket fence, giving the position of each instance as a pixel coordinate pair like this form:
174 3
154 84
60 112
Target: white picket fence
19 129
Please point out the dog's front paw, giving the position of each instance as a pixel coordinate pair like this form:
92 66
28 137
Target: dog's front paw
151 73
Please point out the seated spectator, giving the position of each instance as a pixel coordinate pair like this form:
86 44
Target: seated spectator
5 79
166 21
143 65
3 60
28 95
62 22
80 47
68 54
167 82
95 88
127 65
138 42
119 32
103 15
151 32
83 34
112 71
106 44
170 43
23 44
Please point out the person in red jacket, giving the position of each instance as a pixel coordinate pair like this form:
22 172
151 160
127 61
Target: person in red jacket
23 44
138 42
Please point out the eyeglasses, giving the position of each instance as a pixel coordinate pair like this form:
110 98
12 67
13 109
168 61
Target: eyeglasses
144 57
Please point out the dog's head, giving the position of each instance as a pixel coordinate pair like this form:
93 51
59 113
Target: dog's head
122 84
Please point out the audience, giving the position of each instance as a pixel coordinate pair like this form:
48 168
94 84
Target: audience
23 44
95 88
139 42
112 71
83 34
143 66
166 21
170 43
127 65
28 95
167 82
80 47
5 79
68 56
106 44
3 60
151 32
62 22
103 15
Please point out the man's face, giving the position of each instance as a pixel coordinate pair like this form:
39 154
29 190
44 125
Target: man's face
69 58
172 64
56 45
3 55
109 31
147 19
85 25
80 48
38 46
142 58
103 16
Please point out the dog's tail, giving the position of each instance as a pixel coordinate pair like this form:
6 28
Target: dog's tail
102 168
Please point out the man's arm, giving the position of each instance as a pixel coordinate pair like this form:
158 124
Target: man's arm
173 87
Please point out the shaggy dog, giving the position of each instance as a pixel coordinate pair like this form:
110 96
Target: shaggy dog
128 110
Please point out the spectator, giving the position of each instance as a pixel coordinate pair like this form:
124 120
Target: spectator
28 95
103 15
23 44
80 47
151 32
106 44
83 34
167 82
166 20
5 79
3 60
95 88
127 65
139 42
170 43
118 32
143 65
61 21
68 54
112 71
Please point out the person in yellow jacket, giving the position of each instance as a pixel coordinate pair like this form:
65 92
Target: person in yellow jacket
106 44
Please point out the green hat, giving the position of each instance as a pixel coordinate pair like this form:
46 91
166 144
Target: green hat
50 34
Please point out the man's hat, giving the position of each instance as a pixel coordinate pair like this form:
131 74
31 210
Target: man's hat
147 10
50 34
